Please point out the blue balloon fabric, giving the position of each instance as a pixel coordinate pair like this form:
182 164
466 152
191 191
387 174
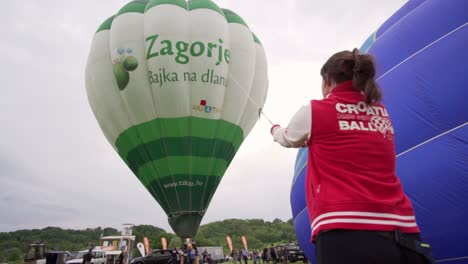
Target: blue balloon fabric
299 208
421 68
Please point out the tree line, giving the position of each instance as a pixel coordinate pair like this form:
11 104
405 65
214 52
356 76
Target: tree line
259 233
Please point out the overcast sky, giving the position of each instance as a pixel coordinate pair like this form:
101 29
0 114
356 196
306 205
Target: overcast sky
57 168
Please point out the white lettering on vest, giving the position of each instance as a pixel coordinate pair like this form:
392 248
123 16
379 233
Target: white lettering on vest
361 106
352 108
355 126
370 111
341 108
363 117
344 125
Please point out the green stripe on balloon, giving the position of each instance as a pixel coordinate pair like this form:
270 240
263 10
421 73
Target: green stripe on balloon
153 3
181 165
178 127
106 25
194 147
256 39
233 17
137 6
142 6
204 4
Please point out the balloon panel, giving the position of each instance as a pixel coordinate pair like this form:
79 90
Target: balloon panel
417 30
432 101
394 19
434 177
303 231
298 201
399 15
430 121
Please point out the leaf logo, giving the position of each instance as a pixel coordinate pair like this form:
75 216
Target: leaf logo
123 66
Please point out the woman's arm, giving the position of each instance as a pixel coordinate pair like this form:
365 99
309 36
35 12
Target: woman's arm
298 130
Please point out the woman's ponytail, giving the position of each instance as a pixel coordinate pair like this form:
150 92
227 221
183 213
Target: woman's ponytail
344 66
363 77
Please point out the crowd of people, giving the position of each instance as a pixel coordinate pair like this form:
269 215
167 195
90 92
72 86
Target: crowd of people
189 255
274 254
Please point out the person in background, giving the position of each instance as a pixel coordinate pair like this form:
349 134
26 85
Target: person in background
181 255
255 256
285 254
175 255
191 254
265 256
245 255
184 257
234 255
204 255
197 257
273 255
357 207
88 257
279 254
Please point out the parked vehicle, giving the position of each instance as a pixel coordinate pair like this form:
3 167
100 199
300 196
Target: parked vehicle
58 257
158 256
98 257
114 245
216 253
36 254
295 253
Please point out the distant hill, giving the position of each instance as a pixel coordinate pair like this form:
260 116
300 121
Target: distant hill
13 245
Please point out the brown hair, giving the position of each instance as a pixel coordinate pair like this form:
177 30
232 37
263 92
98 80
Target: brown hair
346 65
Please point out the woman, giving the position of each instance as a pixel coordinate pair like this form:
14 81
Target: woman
357 207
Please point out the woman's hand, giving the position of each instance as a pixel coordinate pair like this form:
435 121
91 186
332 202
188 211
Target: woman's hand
273 128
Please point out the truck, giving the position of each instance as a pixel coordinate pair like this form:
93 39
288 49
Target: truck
36 253
294 253
216 253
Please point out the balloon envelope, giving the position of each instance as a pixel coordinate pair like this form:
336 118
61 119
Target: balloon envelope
169 82
300 214
422 65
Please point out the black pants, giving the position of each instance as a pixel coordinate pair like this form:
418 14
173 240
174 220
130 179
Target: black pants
363 247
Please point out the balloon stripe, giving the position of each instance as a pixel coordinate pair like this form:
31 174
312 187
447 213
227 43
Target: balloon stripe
153 3
204 4
219 165
106 25
421 50
399 17
155 150
201 128
137 6
256 39
233 17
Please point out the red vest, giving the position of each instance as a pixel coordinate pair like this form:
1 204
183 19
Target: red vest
351 181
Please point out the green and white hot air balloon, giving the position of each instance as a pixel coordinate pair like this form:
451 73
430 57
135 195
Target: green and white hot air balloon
176 87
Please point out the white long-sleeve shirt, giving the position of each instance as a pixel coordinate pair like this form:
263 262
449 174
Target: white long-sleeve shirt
297 133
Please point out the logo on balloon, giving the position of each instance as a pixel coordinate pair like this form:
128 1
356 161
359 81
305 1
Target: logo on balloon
204 108
124 63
